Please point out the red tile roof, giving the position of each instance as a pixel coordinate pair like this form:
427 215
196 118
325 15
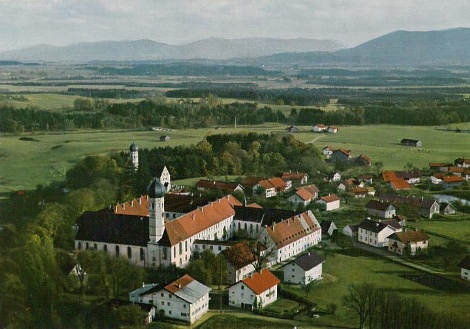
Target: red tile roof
293 176
410 236
137 207
330 198
388 175
179 284
292 229
400 184
304 194
452 179
200 219
261 281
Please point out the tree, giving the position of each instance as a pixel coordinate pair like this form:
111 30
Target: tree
82 104
363 299
220 270
378 166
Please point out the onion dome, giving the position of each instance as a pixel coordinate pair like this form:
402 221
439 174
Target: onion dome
133 147
156 189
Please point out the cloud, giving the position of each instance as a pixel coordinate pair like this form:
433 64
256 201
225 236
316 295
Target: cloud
60 22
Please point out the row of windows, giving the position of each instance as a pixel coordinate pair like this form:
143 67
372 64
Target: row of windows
117 250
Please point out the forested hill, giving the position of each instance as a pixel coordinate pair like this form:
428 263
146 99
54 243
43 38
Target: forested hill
400 48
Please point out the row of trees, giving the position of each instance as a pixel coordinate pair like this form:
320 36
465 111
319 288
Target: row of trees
379 309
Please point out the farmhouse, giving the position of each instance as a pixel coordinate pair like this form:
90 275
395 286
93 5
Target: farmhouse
374 233
408 241
465 268
304 195
271 187
184 299
164 138
359 192
304 269
450 182
318 128
332 130
411 142
340 155
331 202
381 209
254 292
299 178
327 151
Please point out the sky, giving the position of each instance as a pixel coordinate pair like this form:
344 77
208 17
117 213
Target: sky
25 23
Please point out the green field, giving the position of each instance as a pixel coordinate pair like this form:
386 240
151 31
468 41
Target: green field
382 143
25 164
341 270
457 229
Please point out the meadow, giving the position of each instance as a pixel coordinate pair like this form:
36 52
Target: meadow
25 164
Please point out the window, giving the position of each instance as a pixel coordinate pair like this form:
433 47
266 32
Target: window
243 287
142 254
129 252
105 248
87 245
163 303
117 250
79 245
161 294
168 303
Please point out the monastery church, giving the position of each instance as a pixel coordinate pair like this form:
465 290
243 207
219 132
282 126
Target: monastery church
160 228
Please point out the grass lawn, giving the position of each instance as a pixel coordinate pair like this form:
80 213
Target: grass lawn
457 229
382 143
342 270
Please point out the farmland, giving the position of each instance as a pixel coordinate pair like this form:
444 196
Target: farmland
29 163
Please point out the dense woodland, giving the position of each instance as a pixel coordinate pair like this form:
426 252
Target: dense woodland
376 108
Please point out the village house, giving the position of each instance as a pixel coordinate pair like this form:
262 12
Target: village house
462 162
185 299
333 177
351 230
408 241
450 182
328 227
318 128
340 155
363 160
381 209
304 195
375 233
225 187
327 151
291 236
447 209
164 138
332 130
297 178
304 269
359 192
254 292
240 262
426 207
330 202
465 268
269 187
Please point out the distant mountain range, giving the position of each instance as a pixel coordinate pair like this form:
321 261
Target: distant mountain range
400 48
145 50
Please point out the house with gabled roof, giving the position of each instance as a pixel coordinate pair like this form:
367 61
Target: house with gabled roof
359 192
450 182
328 227
408 241
374 233
319 127
380 208
363 160
255 291
240 262
270 187
299 178
332 130
327 151
145 294
340 155
400 185
185 299
447 209
290 237
304 269
304 195
225 187
465 268
426 207
331 202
